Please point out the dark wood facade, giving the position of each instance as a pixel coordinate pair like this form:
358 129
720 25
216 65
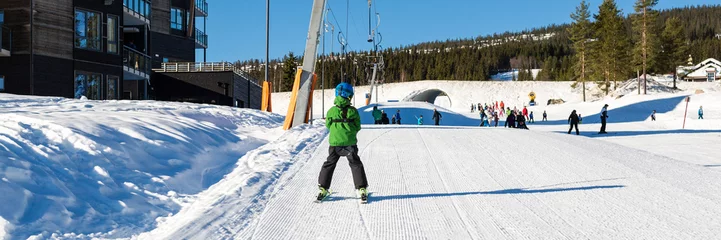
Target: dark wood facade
221 88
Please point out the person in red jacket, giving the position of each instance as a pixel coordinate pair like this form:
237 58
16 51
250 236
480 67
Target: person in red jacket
525 112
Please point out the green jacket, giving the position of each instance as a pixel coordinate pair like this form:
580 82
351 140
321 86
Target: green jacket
342 133
377 115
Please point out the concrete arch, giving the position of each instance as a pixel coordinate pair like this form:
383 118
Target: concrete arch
429 96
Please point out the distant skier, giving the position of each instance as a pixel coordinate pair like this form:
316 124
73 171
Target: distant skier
700 112
580 118
495 119
604 116
521 121
393 120
503 106
473 107
508 111
420 120
343 122
530 117
398 117
384 117
545 116
436 116
483 117
377 115
653 115
525 112
510 121
573 120
487 121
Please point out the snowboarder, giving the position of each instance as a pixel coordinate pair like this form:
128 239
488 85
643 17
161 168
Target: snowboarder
604 116
420 120
530 117
573 120
398 116
384 117
436 116
510 121
545 116
700 112
653 115
377 115
343 122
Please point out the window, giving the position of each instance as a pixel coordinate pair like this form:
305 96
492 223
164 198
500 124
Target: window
711 76
177 19
87 30
2 17
88 85
112 88
2 83
112 29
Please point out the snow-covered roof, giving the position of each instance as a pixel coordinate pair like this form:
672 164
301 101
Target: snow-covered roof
701 70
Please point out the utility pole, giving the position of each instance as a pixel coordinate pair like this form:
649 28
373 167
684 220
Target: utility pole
267 39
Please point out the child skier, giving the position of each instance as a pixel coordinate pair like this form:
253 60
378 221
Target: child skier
700 112
545 116
343 122
530 116
420 120
653 115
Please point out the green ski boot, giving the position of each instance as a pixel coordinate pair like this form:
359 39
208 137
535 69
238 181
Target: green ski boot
322 194
363 193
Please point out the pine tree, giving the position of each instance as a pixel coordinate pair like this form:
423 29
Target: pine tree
673 46
643 23
290 66
612 43
580 32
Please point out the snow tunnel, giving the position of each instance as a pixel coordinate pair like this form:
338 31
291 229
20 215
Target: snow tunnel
431 96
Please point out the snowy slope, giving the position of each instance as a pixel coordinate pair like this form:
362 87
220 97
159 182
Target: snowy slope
112 167
471 183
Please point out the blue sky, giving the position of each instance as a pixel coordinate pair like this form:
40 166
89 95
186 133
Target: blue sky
236 28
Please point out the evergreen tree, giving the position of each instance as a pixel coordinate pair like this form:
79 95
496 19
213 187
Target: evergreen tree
612 43
643 23
580 32
290 66
673 46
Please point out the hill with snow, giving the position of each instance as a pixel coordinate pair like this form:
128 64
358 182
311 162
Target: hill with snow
79 169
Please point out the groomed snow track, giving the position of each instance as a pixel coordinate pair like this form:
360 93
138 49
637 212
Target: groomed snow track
469 183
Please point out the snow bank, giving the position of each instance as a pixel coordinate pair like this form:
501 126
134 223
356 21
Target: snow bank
231 205
110 168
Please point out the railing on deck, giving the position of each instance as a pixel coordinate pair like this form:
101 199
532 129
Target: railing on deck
202 5
136 60
141 7
201 37
205 67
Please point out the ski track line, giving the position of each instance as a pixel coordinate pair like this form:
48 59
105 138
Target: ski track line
284 182
445 185
405 183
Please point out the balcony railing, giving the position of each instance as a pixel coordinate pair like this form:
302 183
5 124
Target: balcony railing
202 7
201 39
137 61
141 7
205 67
6 36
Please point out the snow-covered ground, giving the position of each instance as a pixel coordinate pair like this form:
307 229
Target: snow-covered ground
154 170
113 167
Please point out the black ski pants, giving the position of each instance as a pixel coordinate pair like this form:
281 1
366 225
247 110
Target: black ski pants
356 166
603 124
571 128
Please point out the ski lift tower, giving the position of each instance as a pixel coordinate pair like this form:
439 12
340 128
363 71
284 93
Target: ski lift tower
305 78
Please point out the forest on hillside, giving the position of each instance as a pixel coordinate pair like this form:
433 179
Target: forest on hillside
551 48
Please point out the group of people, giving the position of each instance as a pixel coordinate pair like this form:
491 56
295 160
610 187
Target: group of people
381 117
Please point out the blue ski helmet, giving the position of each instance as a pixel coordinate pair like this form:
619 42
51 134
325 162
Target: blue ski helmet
344 90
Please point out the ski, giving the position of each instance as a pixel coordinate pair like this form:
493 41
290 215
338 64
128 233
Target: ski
321 199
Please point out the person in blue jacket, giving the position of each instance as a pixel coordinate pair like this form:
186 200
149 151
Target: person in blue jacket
700 112
420 120
398 116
